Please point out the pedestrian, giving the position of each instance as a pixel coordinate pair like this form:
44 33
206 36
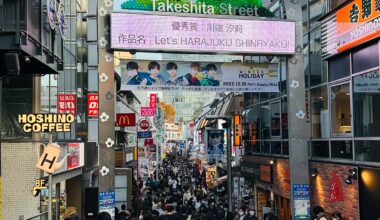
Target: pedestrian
251 214
316 210
336 216
241 214
104 216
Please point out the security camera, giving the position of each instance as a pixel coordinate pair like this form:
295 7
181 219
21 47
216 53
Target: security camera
133 52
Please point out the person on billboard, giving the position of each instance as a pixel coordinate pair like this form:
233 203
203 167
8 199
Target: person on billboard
154 74
133 76
210 79
172 69
215 144
191 79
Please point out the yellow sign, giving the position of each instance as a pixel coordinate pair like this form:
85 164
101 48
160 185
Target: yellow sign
211 176
48 161
46 122
40 184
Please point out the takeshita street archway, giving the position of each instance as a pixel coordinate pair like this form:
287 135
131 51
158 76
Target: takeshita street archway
173 32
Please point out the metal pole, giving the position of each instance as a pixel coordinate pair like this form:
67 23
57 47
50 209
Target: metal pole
137 176
50 190
229 173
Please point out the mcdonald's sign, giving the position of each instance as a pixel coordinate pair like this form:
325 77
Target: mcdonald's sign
126 120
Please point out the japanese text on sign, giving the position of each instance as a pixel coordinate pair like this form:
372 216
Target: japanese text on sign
93 105
66 103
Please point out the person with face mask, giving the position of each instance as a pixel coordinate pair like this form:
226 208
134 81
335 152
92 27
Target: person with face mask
241 214
251 214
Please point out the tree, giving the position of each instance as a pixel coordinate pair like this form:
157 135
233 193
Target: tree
169 111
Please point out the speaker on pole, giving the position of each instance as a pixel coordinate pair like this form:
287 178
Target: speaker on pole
12 64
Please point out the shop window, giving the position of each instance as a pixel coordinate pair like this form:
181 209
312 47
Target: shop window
320 149
265 147
365 58
255 146
339 67
341 149
285 148
275 119
367 151
366 106
275 147
265 122
319 113
340 110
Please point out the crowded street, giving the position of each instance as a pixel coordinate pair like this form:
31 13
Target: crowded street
180 192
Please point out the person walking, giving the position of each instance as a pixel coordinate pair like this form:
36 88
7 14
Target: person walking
251 214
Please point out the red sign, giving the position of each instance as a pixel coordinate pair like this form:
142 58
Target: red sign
67 103
153 101
148 142
336 190
148 111
126 120
73 160
93 105
144 124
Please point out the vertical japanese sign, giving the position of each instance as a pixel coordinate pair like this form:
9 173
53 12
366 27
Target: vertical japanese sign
153 101
237 130
107 203
301 197
67 103
76 155
93 105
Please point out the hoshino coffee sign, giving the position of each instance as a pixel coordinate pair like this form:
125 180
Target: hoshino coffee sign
46 122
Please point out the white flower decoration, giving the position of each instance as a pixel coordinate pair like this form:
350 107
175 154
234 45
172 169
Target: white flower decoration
291 12
103 42
295 84
108 57
108 3
103 77
102 11
300 114
104 171
110 142
104 117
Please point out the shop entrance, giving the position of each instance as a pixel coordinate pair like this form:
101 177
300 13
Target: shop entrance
283 208
263 202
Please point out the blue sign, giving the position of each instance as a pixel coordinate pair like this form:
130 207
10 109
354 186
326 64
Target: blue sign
301 197
107 203
144 134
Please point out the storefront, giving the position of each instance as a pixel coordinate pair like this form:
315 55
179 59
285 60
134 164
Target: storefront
271 179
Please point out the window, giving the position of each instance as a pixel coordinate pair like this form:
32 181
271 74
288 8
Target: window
366 104
367 151
275 119
320 149
365 58
285 148
340 109
317 72
306 54
265 147
339 67
284 118
265 123
341 149
276 147
319 113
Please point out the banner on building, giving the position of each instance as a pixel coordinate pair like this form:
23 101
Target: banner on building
195 76
201 34
215 146
126 120
67 103
93 105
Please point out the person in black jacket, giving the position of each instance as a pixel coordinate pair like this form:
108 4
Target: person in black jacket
251 214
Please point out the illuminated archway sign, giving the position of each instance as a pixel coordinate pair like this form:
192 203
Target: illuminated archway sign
46 122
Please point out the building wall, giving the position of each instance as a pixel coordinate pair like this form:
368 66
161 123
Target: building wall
320 188
18 175
281 178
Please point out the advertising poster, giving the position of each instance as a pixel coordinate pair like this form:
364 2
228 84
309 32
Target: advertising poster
107 203
93 105
301 195
76 155
211 176
196 76
67 103
143 166
215 146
